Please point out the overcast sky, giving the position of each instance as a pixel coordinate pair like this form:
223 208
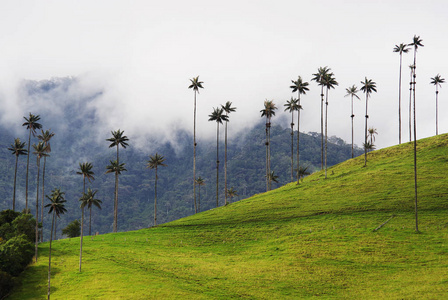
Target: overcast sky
143 53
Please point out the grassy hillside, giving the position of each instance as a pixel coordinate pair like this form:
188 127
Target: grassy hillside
314 239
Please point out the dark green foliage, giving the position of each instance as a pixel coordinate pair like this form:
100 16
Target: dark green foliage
73 229
24 224
6 284
16 254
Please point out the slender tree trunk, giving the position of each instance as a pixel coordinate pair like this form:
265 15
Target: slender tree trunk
49 257
326 132
269 154
365 132
27 170
267 161
55 229
116 203
292 146
194 155
15 180
155 200
322 128
82 234
399 102
225 165
217 163
410 107
415 142
90 221
298 139
199 199
352 116
37 207
42 202
437 110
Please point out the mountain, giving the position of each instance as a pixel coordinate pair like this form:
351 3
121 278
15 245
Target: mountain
74 117
351 236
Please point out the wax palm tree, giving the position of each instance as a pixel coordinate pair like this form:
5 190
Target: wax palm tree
268 112
195 85
368 146
318 77
417 42
232 193
227 109
291 106
303 171
371 133
85 169
44 137
218 116
437 81
300 87
368 86
411 67
86 199
57 207
153 163
31 124
329 82
351 91
17 149
200 182
402 48
40 150
91 201
116 168
272 177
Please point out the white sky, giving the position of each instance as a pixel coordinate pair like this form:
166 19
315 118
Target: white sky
143 53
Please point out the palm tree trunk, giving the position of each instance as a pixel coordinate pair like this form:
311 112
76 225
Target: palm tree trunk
194 155
326 132
267 161
399 102
116 203
90 221
322 128
352 116
55 229
155 200
437 110
27 169
415 142
15 179
225 165
199 199
365 132
42 202
37 208
298 138
292 145
82 234
49 257
269 154
410 107
217 163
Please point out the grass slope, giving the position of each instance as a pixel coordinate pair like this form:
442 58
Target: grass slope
298 241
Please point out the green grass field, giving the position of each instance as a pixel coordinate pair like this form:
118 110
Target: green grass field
310 240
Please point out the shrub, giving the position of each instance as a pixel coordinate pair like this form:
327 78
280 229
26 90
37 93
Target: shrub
73 229
6 284
16 254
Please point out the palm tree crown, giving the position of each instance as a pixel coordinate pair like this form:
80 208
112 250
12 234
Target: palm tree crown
32 123
269 109
218 115
89 200
115 167
57 201
416 42
155 161
291 105
118 139
352 91
228 107
85 169
437 80
196 84
299 86
402 48
368 86
18 148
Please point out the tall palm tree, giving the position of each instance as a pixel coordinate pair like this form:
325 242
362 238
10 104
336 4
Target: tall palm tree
218 116
368 86
31 124
85 169
437 81
227 109
153 163
117 140
86 200
91 201
291 106
57 207
40 150
17 149
402 48
351 91
417 42
268 112
116 168
411 67
232 193
44 137
303 171
195 85
272 177
200 181
371 133
318 77
329 82
300 87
